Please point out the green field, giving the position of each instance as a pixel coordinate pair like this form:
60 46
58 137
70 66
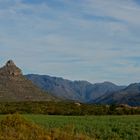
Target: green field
97 127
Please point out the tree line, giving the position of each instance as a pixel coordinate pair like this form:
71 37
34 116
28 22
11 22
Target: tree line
65 108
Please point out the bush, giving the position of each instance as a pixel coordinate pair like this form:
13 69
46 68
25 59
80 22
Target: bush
65 108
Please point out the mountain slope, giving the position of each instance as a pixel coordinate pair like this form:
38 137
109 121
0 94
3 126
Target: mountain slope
82 91
130 95
15 87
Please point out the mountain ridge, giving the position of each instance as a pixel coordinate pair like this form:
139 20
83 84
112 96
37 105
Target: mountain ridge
82 91
129 95
16 87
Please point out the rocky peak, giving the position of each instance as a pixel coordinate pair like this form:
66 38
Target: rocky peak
10 63
10 69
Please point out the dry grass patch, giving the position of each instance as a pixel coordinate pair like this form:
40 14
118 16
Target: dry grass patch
15 127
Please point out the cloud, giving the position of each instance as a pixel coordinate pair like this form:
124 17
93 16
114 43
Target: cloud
93 40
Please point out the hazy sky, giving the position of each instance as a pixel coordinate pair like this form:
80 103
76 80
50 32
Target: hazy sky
94 40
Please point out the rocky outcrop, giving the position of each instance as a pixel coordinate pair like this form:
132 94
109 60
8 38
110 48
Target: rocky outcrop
10 69
14 86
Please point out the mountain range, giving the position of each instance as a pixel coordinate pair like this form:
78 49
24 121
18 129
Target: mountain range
14 86
129 95
81 91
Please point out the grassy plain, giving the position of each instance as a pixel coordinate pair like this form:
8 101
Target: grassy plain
97 127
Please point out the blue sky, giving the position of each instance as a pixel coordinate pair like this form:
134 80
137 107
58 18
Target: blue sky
94 40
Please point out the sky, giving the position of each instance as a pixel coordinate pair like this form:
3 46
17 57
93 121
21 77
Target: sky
93 40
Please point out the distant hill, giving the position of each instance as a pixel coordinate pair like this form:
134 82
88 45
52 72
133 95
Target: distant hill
129 95
82 91
15 87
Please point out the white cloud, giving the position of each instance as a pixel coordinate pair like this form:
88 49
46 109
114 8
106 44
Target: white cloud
90 39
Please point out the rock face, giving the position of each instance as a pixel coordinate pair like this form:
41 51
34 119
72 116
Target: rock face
10 69
15 87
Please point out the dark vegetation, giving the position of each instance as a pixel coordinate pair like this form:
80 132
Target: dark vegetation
65 108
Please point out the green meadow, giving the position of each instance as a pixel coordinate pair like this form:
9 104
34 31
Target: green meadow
96 127
68 121
54 127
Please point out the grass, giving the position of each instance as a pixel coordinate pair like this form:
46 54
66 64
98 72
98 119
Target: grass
97 127
16 127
